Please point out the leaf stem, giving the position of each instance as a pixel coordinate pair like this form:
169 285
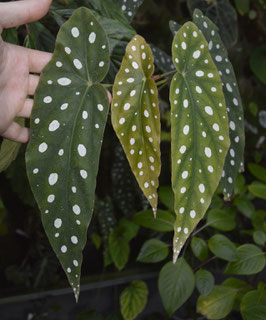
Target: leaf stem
107 85
204 263
162 82
163 75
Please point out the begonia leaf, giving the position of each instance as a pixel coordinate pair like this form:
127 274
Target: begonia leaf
67 126
199 130
136 118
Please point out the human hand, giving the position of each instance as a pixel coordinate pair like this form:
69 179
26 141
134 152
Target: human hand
16 67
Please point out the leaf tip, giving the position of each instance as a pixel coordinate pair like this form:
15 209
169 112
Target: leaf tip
154 212
76 294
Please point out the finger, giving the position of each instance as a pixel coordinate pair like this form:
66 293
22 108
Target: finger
17 133
16 13
37 59
25 112
33 83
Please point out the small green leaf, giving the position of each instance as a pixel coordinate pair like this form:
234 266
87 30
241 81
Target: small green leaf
222 247
176 284
199 130
234 161
130 229
218 303
259 237
96 239
242 6
152 251
9 150
67 126
164 220
245 206
119 247
222 13
222 219
10 35
136 118
166 197
258 171
129 7
258 220
257 63
258 189
119 240
204 281
133 299
199 248
242 287
253 305
249 260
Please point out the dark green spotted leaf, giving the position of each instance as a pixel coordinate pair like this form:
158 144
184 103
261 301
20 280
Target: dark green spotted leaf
67 126
199 130
174 27
222 247
253 305
136 118
249 260
218 303
152 251
129 7
222 13
164 220
133 299
204 281
176 284
234 161
161 59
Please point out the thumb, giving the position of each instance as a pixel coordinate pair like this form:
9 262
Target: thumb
16 13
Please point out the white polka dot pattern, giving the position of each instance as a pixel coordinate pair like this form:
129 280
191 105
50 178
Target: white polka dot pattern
234 159
197 121
136 118
129 7
62 162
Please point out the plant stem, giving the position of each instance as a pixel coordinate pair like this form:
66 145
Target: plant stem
204 263
162 82
163 75
107 85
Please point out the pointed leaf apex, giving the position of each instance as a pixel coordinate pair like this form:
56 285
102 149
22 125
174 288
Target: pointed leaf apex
154 212
76 295
175 256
